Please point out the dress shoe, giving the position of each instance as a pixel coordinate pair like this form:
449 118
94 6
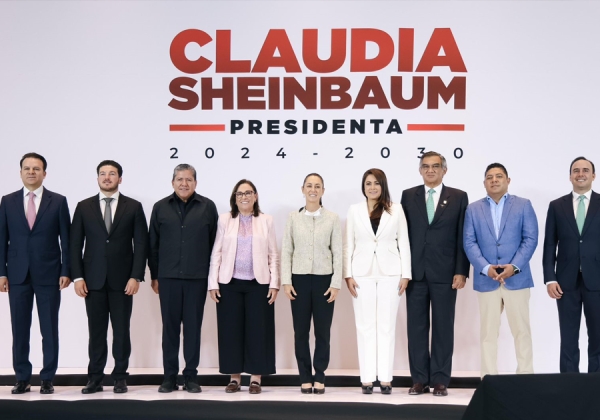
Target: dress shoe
21 387
386 389
120 386
418 389
169 385
254 388
232 387
308 390
47 388
319 391
191 385
440 390
367 389
92 387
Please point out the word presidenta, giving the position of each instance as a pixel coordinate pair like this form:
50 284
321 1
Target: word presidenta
251 89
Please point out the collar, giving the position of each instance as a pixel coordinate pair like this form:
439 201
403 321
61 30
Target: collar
38 192
102 196
194 196
587 194
437 188
492 201
313 213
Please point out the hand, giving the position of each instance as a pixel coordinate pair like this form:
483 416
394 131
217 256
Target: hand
272 295
64 282
458 282
3 285
352 286
509 271
154 285
554 290
332 292
132 287
290 292
492 272
402 286
81 288
214 294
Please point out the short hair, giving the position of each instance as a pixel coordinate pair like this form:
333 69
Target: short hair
385 200
234 208
433 154
582 158
110 163
496 165
34 156
322 182
184 167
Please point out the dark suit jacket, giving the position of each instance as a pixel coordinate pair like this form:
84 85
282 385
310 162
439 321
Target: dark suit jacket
181 248
436 249
115 257
574 250
35 251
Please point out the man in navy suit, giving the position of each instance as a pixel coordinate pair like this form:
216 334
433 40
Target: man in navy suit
572 274
34 261
500 236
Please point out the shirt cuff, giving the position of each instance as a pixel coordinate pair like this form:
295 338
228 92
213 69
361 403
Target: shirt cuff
486 269
550 282
77 279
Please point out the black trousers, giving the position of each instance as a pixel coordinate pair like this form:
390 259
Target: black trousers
102 305
435 367
310 303
569 317
246 328
181 302
47 298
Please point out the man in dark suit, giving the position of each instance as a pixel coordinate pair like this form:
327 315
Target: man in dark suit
572 275
183 227
115 233
34 261
435 215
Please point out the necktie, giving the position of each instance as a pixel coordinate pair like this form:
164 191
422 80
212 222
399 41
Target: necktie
31 210
430 207
108 214
580 218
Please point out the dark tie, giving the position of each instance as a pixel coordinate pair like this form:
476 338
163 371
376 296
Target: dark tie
108 214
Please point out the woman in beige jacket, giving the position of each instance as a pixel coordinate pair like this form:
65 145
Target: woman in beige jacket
311 273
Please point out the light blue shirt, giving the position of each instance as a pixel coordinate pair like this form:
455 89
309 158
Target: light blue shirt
496 210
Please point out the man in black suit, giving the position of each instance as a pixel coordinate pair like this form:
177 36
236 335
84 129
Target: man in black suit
114 231
183 227
34 261
572 275
435 216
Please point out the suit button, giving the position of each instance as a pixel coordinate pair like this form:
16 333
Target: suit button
581 241
107 241
310 258
497 244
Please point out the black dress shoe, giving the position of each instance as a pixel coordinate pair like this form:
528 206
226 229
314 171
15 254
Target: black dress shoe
319 391
367 389
386 389
440 390
120 386
92 387
47 387
21 387
191 385
418 389
169 385
306 390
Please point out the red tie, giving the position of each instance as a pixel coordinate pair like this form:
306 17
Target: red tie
31 210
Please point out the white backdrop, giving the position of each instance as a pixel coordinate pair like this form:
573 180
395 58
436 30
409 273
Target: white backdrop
85 81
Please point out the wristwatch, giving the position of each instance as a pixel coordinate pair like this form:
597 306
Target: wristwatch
516 269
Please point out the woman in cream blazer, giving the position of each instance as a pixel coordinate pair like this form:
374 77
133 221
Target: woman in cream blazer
377 270
311 274
244 280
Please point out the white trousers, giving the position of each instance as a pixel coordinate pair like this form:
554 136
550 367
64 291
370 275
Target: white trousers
375 311
491 305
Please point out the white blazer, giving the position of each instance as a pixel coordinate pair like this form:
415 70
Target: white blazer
390 244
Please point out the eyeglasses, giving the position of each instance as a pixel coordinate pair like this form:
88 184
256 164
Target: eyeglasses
246 194
435 167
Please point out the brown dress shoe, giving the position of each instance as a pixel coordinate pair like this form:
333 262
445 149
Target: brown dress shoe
254 388
232 387
440 390
418 389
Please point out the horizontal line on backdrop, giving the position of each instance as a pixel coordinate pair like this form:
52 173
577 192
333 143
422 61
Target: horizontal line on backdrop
197 127
435 127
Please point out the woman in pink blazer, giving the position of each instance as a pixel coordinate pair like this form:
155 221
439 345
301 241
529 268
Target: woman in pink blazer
244 281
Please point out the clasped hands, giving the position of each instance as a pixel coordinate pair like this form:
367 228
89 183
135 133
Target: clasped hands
505 271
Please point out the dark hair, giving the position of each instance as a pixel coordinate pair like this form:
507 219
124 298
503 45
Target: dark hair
385 200
34 156
183 167
110 163
322 182
582 158
433 154
234 208
496 165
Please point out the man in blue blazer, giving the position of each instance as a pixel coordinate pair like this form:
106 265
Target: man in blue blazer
34 261
571 274
500 237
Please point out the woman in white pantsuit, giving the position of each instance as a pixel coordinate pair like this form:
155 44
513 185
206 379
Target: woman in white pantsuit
377 271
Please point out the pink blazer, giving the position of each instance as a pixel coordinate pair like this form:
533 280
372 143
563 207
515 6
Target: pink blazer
265 258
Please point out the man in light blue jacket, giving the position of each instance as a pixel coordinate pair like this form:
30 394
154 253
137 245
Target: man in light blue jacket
500 236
